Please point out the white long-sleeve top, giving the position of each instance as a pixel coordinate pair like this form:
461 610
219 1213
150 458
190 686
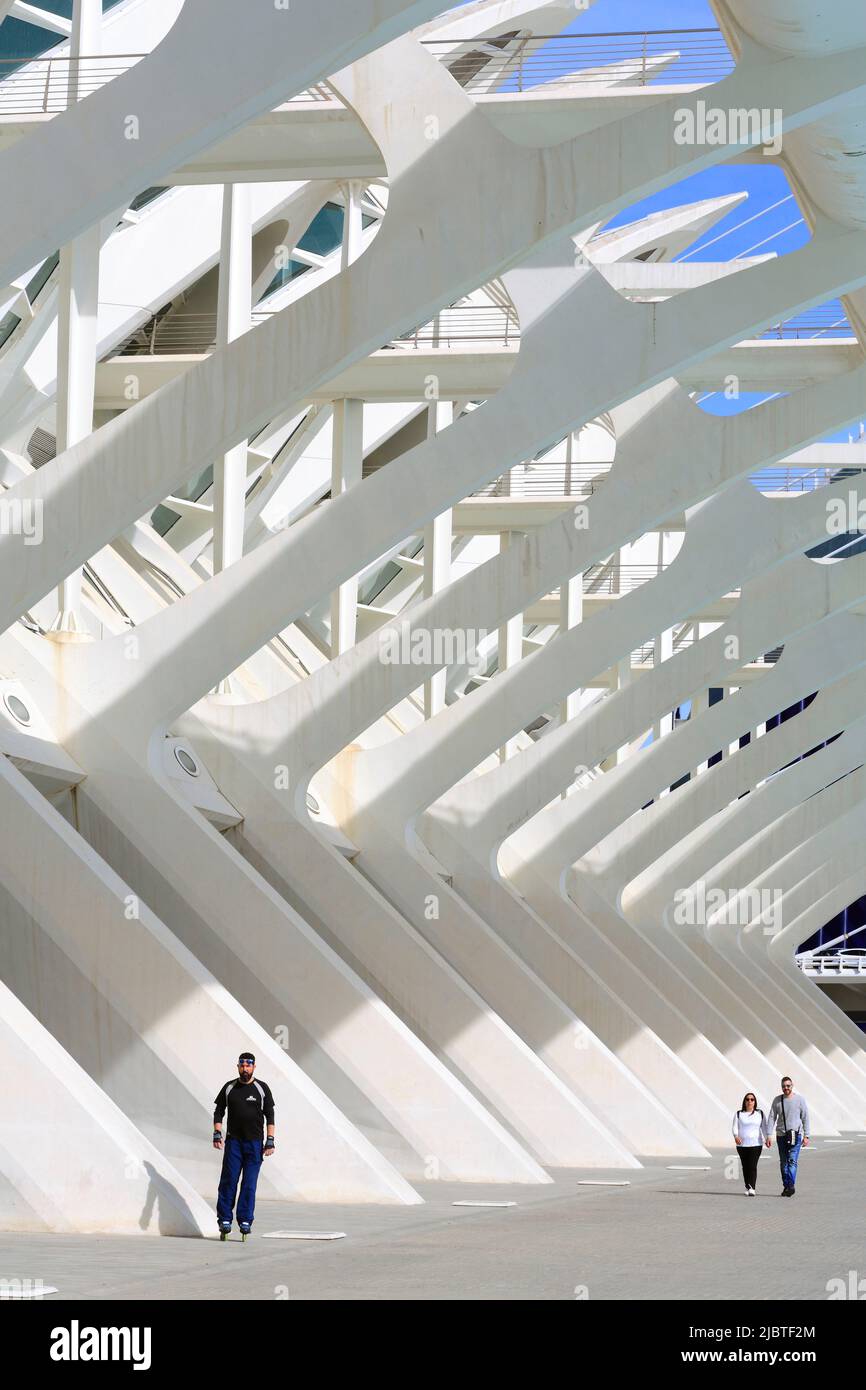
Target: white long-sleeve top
749 1128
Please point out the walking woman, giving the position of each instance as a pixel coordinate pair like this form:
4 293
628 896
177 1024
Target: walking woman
748 1129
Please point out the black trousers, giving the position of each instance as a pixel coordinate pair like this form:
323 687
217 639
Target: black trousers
749 1156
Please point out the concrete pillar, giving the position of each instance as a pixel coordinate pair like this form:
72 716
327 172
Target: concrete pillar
570 614
438 536
234 311
734 745
623 677
348 446
346 472
700 702
510 647
78 307
663 650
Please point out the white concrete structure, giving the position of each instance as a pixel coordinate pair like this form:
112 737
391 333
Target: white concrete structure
384 618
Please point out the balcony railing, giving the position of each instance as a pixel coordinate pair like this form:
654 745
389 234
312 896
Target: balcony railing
841 965
464 323
43 86
547 480
184 332
793 479
46 86
515 63
618 579
825 322
558 479
174 335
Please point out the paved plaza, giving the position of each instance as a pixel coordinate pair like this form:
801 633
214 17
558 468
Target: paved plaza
670 1234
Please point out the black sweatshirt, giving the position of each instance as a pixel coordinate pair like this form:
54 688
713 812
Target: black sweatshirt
249 1104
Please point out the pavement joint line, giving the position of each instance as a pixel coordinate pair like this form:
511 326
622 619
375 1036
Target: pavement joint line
466 1203
603 1182
303 1235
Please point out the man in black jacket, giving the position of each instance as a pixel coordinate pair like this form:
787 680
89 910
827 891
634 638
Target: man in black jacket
250 1105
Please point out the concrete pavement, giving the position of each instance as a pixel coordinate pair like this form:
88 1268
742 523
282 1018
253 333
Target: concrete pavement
670 1234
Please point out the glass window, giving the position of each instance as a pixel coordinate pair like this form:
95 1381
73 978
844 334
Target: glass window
8 324
38 282
141 200
285 277
325 232
162 518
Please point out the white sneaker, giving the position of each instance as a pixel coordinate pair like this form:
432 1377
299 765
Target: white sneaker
750 1192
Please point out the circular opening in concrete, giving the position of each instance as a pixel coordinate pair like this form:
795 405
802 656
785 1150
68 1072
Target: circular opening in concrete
17 708
187 761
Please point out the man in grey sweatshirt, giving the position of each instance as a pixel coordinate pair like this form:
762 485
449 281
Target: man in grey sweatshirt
789 1113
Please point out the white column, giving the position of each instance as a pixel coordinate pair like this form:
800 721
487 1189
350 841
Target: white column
352 222
700 703
78 307
348 446
571 590
623 677
438 537
234 312
733 747
663 650
724 748
346 472
510 647
570 614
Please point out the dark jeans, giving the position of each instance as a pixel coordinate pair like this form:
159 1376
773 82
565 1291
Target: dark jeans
749 1155
239 1156
788 1155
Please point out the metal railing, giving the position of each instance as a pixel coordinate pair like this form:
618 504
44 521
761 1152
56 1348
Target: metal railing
793 479
44 86
636 58
815 324
180 331
845 963
618 579
465 323
473 323
540 480
558 479
177 334
687 636
48 85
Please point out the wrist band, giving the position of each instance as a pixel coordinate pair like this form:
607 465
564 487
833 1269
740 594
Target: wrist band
269 1142
217 1134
